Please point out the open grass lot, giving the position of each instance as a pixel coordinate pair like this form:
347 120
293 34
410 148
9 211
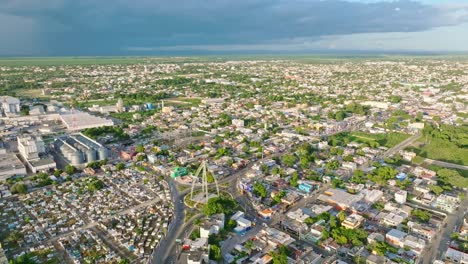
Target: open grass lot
443 150
388 140
31 93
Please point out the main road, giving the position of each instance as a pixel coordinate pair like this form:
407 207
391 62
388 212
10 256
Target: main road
439 245
161 251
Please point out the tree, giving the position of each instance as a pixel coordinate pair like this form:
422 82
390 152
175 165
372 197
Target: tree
288 160
218 205
281 257
260 190
24 110
23 259
57 172
437 190
395 99
140 148
120 166
452 178
95 184
341 216
70 169
19 188
423 216
294 179
333 165
215 253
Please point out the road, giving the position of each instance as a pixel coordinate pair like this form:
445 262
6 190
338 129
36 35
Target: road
161 252
439 245
445 164
402 145
182 233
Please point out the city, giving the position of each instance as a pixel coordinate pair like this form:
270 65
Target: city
193 160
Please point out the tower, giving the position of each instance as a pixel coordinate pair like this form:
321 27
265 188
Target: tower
204 183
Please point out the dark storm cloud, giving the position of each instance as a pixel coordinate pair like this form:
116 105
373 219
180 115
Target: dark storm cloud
112 26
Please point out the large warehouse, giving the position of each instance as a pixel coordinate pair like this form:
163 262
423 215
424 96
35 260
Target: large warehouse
81 120
9 105
79 150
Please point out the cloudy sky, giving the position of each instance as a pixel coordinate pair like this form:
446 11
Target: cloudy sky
136 27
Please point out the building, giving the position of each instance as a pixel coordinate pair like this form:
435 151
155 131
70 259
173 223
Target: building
238 122
448 203
212 226
10 105
120 105
396 238
340 199
455 256
401 239
10 165
400 196
30 147
421 231
353 221
243 224
75 121
79 150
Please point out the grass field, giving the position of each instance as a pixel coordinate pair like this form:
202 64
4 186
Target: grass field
30 93
442 150
388 140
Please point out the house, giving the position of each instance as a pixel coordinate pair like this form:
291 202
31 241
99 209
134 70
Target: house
455 256
243 224
400 196
352 221
446 202
421 231
396 237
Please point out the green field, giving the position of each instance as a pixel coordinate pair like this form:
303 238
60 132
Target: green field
443 150
387 140
301 58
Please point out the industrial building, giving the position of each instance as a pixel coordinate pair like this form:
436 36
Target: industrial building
9 105
30 146
79 150
32 149
10 165
75 121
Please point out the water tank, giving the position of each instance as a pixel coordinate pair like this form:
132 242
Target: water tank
102 153
90 155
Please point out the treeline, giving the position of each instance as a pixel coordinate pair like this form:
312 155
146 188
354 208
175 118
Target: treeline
174 81
143 97
96 132
455 134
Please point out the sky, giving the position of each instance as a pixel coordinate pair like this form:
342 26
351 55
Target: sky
145 27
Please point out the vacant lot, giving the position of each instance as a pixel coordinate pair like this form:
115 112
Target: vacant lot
443 150
388 140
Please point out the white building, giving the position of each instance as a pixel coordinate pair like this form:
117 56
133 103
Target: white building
30 147
238 122
81 120
10 105
400 196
